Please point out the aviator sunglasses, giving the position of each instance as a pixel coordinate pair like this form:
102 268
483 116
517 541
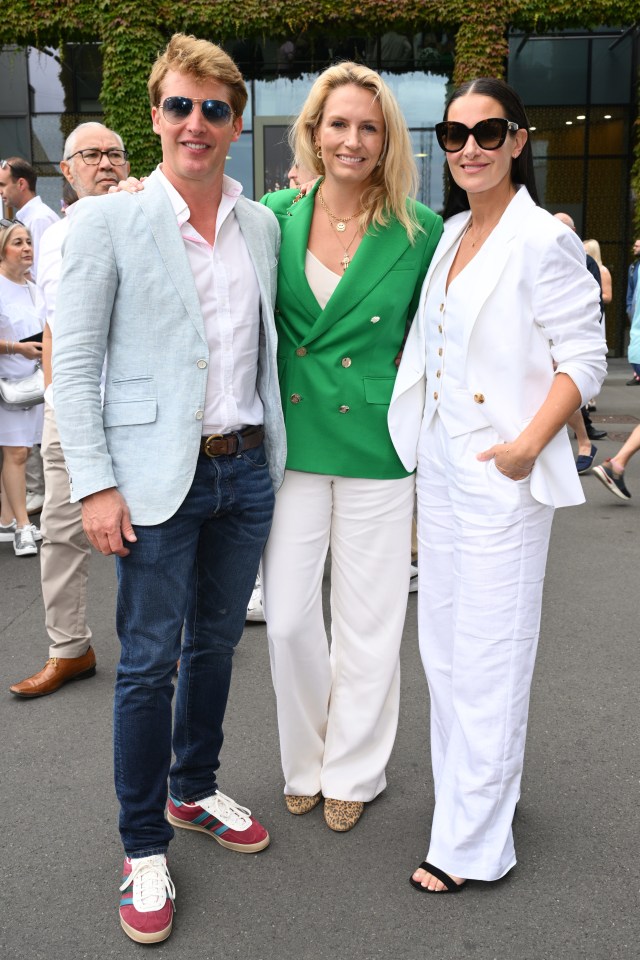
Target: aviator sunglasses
488 134
216 112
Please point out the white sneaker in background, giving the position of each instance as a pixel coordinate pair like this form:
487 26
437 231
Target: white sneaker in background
255 613
24 544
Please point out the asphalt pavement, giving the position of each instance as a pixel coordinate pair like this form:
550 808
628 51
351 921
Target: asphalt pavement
318 895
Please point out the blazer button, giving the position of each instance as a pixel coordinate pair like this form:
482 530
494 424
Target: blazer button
295 398
478 397
301 352
199 414
346 362
375 319
201 364
343 409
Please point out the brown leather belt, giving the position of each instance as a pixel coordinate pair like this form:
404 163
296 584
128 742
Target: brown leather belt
226 444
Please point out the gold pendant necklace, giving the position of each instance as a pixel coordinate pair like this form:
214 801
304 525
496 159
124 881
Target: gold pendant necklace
339 222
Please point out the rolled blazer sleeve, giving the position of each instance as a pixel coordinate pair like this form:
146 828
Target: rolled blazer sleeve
566 304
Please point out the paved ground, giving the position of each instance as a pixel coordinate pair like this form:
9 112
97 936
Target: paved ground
315 894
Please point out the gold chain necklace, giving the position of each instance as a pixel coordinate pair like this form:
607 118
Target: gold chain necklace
339 222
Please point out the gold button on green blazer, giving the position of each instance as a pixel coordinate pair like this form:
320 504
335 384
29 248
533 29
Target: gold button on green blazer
337 365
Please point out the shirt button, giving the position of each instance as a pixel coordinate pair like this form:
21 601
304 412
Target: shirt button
375 319
199 414
295 398
439 374
435 396
478 397
439 328
202 364
441 307
346 362
440 351
343 409
301 352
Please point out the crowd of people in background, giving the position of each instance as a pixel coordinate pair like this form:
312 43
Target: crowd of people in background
316 362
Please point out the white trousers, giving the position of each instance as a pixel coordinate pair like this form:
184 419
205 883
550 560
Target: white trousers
483 544
337 708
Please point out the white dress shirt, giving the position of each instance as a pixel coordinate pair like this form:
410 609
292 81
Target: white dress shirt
229 297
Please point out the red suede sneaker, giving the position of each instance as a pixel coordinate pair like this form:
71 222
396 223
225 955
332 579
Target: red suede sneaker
223 819
146 905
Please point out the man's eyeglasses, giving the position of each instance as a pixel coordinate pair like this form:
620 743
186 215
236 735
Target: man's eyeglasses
488 134
216 112
5 165
92 157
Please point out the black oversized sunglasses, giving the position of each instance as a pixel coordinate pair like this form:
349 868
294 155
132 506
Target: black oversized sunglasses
216 112
488 134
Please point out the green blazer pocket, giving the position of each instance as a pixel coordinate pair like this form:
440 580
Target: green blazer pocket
378 389
123 413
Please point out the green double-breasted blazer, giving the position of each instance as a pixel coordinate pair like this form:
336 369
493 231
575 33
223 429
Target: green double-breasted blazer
337 365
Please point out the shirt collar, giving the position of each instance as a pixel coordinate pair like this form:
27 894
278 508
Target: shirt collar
231 190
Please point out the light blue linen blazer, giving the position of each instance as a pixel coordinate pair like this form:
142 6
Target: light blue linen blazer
127 291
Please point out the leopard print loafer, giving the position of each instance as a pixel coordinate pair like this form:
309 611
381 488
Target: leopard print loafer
342 815
300 805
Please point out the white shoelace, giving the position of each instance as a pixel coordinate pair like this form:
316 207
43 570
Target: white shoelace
227 810
151 883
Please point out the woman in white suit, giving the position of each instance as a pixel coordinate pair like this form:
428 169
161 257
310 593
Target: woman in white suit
506 345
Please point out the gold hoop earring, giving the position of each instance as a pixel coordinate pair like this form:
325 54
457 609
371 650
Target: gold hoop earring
319 154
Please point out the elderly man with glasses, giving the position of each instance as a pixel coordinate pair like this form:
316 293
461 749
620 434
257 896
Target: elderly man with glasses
176 473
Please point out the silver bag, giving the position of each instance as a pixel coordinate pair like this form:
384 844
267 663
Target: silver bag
23 393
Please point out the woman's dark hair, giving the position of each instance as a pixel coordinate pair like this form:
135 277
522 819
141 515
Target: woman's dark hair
522 166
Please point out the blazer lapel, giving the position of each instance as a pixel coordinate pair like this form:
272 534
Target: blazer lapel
376 255
163 224
262 259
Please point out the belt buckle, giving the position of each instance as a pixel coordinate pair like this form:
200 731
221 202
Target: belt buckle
213 436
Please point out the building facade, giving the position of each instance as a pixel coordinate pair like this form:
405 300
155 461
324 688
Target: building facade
579 87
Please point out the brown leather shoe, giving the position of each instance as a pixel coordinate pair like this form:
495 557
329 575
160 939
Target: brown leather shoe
56 672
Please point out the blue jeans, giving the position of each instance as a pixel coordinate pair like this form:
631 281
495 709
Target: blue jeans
196 569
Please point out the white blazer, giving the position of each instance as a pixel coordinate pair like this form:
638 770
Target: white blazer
536 305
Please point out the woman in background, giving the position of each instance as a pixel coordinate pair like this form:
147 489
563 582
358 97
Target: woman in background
21 317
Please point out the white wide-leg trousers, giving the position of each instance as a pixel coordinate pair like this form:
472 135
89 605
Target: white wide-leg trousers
337 707
483 544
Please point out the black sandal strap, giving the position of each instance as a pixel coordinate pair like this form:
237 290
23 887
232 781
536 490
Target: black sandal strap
440 875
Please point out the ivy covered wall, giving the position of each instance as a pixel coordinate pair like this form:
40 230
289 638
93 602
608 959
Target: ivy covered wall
133 32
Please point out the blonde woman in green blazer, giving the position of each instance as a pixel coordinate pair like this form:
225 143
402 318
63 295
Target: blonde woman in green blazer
354 253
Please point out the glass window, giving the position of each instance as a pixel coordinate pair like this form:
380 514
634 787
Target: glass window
611 70
240 163
421 96
47 92
430 162
14 99
557 130
15 137
550 71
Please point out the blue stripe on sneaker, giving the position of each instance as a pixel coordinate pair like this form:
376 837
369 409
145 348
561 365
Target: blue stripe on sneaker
176 803
221 829
126 902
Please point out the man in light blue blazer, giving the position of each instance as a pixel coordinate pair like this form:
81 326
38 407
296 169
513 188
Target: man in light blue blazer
176 471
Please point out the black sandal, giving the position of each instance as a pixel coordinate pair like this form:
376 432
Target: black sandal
450 884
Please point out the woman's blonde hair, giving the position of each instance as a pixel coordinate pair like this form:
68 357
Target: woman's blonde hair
592 247
395 180
5 235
